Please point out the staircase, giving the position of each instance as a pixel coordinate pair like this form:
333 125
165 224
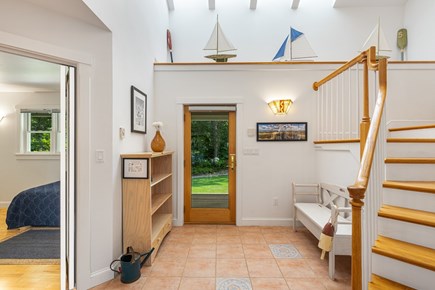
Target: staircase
403 256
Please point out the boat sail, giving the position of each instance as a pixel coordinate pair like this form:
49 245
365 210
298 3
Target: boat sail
295 46
220 43
377 38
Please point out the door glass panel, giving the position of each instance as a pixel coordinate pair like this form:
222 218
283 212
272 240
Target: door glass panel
209 143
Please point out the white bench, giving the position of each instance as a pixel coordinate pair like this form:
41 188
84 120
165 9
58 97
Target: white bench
312 205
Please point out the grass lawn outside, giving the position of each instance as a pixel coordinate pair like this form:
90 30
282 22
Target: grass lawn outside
210 185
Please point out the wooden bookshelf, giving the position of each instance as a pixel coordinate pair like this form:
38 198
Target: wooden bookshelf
147 200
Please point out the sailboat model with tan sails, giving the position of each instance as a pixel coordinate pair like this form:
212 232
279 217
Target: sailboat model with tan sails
220 43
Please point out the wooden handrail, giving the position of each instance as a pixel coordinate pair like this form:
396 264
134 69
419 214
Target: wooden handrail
369 130
359 58
358 189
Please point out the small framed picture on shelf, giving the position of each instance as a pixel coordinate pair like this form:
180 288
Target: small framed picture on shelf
138 111
290 131
135 168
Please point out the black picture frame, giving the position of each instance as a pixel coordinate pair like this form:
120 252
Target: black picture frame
135 168
138 110
282 131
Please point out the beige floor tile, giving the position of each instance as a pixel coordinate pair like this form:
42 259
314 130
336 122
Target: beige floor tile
269 230
166 268
225 239
183 238
257 251
204 239
337 284
197 283
263 268
277 238
295 268
234 251
173 250
269 284
304 284
250 229
202 251
162 283
252 238
231 268
227 230
203 268
116 284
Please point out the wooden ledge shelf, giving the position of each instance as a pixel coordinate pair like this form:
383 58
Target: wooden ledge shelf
158 200
159 222
159 178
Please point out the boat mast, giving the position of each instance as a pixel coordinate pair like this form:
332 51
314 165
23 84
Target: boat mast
217 34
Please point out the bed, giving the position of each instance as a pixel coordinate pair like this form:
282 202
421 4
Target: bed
38 207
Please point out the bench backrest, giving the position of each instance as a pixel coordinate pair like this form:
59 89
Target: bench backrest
324 193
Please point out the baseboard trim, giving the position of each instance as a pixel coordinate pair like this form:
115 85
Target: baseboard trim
101 276
286 222
4 204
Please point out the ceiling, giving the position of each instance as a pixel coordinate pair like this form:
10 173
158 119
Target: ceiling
24 74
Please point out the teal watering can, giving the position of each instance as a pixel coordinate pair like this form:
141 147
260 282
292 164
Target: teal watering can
130 265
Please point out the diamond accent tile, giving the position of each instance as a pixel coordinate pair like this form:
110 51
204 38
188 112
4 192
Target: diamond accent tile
233 284
285 251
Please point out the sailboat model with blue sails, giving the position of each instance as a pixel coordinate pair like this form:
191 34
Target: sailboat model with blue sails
294 47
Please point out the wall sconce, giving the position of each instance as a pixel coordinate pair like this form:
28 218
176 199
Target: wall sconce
280 107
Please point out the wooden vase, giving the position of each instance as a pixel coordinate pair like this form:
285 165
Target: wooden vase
158 143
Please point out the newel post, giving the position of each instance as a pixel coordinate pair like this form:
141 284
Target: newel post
357 195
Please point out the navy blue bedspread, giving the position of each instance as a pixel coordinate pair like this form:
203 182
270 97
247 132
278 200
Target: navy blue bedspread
38 206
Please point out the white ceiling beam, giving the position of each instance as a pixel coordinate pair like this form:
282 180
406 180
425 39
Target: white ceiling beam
253 4
295 4
211 4
170 4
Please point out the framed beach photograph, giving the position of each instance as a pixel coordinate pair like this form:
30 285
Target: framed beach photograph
291 131
138 111
135 168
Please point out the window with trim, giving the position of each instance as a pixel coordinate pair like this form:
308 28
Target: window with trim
40 131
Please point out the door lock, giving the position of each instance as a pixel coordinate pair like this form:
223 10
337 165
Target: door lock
232 161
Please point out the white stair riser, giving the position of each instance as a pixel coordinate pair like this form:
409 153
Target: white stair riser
407 232
410 149
410 172
420 133
403 273
409 199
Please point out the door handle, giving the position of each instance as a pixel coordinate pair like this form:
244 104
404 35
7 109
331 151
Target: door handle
232 161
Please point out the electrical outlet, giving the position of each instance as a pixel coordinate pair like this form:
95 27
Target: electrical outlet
121 133
275 201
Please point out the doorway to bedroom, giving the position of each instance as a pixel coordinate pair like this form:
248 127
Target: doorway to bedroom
37 170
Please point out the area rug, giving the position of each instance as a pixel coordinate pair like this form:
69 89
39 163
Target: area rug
35 246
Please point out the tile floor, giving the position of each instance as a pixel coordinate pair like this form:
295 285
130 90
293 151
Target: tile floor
230 257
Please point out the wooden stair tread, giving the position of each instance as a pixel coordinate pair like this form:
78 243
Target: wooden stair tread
420 186
409 253
411 140
408 215
381 283
409 160
421 127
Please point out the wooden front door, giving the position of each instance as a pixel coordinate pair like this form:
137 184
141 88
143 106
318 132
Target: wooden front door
210 164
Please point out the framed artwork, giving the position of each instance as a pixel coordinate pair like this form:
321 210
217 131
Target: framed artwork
135 168
138 111
291 131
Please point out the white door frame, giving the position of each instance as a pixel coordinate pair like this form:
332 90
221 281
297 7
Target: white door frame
82 62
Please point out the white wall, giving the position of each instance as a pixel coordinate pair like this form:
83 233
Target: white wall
419 22
139 38
260 177
19 174
334 33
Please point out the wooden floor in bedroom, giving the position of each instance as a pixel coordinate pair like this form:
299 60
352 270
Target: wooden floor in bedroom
25 276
